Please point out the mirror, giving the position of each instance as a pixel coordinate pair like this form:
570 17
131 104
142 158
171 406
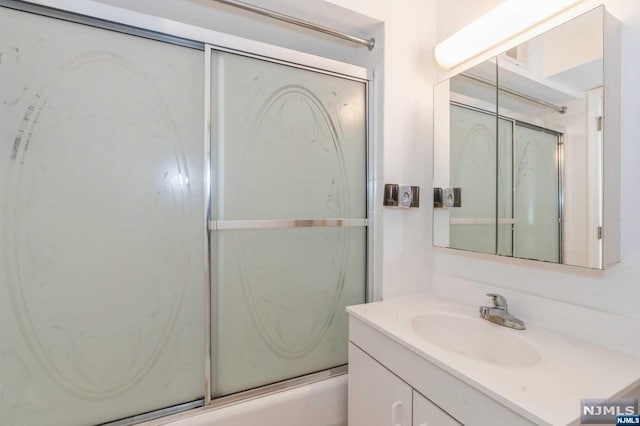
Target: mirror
522 137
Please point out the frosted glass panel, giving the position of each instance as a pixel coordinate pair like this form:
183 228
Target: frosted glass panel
100 223
536 234
290 143
281 302
287 144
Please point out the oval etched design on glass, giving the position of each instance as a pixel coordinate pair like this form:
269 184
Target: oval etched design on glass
80 221
293 307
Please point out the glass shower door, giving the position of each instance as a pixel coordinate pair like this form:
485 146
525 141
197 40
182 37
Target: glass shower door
101 223
288 249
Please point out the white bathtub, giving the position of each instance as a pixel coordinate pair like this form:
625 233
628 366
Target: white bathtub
323 403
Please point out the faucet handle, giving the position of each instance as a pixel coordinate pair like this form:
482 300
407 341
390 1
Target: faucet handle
498 300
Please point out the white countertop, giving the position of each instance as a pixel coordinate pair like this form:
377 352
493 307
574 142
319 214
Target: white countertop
548 392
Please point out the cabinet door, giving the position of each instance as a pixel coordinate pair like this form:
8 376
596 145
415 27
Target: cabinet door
376 396
426 413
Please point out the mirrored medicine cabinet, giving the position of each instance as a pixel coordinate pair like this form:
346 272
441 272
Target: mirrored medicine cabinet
529 139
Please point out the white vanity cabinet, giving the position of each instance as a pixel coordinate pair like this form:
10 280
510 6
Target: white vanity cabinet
391 385
402 373
377 397
426 413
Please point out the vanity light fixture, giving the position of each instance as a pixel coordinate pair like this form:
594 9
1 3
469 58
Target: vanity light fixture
509 19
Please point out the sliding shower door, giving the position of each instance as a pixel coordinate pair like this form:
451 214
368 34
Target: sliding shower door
101 223
104 274
288 246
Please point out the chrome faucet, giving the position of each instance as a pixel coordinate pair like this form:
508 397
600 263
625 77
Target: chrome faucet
499 313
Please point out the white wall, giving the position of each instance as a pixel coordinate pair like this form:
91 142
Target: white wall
409 74
452 15
616 290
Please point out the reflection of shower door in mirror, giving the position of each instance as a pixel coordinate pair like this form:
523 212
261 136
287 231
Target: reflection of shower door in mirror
522 165
537 194
288 247
478 154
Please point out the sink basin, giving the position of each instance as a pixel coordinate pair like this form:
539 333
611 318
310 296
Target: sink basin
476 338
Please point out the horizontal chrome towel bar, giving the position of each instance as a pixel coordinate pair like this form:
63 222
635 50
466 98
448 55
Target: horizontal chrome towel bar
219 225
